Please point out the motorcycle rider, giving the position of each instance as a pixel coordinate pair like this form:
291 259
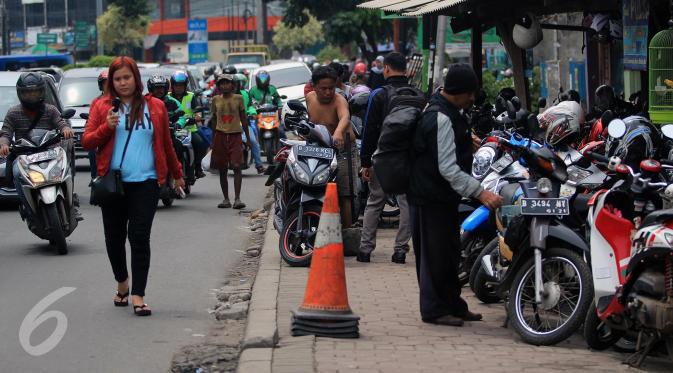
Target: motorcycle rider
266 93
242 81
189 102
20 120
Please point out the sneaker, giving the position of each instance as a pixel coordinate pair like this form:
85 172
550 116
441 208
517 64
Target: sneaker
399 257
238 204
224 205
260 170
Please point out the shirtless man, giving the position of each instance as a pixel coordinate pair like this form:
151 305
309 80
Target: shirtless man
330 109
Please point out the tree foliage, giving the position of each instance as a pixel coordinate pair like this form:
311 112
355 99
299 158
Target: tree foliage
133 8
298 37
330 53
343 22
119 32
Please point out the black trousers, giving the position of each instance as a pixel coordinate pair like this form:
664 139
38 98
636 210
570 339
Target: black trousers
436 238
131 216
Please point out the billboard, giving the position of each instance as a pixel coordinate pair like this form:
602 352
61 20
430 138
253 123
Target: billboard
197 40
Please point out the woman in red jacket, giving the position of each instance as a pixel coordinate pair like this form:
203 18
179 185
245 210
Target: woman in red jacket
136 140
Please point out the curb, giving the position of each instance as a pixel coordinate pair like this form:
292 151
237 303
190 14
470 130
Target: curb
261 332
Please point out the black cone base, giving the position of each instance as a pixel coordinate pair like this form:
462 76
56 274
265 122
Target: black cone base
325 324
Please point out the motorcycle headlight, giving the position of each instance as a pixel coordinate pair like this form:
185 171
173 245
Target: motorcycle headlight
301 175
483 159
544 186
322 177
36 177
268 134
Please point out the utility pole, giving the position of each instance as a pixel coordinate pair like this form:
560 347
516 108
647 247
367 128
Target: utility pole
261 21
440 51
99 12
6 47
66 13
45 14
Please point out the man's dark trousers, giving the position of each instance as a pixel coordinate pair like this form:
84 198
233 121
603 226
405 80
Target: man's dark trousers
436 239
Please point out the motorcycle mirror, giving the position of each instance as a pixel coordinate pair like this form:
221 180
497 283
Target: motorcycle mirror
296 105
283 97
68 113
617 128
84 116
667 130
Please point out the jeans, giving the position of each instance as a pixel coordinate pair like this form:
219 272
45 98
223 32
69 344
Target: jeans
131 216
375 204
256 155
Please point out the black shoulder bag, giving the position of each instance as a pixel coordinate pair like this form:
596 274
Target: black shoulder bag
109 188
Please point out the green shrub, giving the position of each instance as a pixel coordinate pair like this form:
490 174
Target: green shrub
100 61
330 52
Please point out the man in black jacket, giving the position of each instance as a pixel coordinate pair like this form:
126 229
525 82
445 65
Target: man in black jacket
394 69
440 176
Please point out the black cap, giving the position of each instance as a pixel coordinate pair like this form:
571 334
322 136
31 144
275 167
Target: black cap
460 79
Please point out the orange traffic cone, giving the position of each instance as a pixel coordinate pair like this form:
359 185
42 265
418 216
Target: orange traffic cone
325 311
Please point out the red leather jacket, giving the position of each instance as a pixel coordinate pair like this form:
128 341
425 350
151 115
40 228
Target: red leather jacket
97 135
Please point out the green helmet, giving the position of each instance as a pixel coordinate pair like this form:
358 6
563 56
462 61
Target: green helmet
242 80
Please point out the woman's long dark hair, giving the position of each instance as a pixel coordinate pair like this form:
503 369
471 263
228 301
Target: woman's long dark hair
138 103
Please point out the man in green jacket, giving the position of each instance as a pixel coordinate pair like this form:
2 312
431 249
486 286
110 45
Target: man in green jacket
252 113
265 93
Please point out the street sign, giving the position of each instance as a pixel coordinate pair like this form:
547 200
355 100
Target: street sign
82 35
46 38
197 40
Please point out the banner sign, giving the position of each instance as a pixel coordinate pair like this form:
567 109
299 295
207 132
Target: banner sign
636 13
197 40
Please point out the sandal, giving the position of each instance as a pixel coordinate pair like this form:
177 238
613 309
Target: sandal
239 205
224 205
141 311
123 299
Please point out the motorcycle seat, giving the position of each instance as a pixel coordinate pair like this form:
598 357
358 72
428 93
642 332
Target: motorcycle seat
292 142
657 217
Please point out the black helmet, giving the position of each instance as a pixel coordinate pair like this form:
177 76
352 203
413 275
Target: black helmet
605 97
263 79
157 81
570 95
31 90
358 104
640 141
230 69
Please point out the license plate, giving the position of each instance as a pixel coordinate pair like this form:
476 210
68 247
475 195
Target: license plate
502 163
544 206
315 152
43 156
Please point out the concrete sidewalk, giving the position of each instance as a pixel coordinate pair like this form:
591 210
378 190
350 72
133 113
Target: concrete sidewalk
393 338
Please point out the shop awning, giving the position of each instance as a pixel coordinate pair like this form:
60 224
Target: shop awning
433 7
408 4
378 4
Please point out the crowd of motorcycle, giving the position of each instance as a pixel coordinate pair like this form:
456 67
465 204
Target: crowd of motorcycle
584 238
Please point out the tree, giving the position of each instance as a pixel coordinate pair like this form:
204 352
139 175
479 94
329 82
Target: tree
120 31
296 37
343 22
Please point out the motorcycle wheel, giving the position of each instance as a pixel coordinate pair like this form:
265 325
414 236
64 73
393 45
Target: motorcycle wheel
56 229
482 290
268 150
598 335
568 295
471 246
168 202
288 252
391 209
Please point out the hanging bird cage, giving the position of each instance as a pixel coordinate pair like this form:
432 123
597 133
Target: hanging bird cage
661 77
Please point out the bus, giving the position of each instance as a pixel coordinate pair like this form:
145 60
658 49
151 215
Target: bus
21 61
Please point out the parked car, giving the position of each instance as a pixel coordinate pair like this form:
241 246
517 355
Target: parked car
78 88
8 98
290 78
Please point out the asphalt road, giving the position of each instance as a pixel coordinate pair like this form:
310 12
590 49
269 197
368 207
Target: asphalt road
193 245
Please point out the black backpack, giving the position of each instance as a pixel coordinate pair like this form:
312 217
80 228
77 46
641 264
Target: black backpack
393 156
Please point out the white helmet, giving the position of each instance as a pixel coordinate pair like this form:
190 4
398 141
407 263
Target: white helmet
527 32
561 121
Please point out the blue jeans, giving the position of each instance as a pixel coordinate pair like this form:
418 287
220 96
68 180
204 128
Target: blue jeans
256 155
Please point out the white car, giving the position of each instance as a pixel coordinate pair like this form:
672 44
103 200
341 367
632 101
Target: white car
289 78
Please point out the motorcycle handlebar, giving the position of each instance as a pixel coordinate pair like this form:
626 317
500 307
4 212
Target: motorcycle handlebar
597 157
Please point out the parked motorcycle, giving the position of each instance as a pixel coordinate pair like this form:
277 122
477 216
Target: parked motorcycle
300 176
632 273
46 179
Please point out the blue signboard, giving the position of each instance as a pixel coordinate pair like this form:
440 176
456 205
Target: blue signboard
197 40
17 39
577 70
636 13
